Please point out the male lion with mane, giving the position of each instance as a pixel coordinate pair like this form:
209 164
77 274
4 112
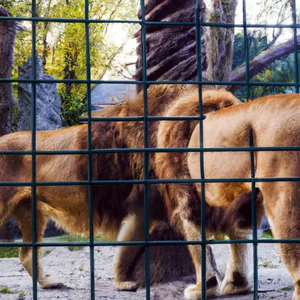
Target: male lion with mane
118 209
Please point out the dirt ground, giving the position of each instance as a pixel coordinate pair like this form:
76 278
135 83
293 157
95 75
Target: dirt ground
72 268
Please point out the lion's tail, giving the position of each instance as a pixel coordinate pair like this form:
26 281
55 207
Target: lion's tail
238 216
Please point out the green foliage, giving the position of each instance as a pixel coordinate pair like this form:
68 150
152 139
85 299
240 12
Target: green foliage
18 8
62 45
71 238
257 42
6 290
281 70
9 252
21 295
267 234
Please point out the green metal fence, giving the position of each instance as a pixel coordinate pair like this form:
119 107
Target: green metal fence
146 150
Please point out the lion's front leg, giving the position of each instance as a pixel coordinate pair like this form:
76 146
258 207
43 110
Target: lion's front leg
23 216
132 230
236 277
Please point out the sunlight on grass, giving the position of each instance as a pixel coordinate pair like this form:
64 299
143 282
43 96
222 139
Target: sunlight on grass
70 238
12 252
9 252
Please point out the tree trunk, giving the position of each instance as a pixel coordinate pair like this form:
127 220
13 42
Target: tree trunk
171 50
8 31
219 40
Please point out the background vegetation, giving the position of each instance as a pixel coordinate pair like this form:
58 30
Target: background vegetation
63 49
62 46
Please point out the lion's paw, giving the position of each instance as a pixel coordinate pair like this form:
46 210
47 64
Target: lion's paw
126 285
237 285
296 295
194 292
51 283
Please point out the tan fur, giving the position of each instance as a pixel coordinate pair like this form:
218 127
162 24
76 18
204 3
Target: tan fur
112 204
183 205
274 121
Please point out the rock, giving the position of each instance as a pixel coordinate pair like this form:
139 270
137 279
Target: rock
48 102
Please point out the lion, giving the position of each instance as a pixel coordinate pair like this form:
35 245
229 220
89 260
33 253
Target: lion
273 121
118 209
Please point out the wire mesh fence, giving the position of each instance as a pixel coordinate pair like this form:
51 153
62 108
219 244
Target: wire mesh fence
146 150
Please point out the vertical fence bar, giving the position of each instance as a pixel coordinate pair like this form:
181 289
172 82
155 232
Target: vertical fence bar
246 47
146 154
254 231
202 175
296 70
33 155
90 158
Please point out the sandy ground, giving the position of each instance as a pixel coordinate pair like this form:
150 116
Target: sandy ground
72 268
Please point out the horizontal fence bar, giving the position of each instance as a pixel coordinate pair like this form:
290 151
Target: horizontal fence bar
161 23
152 150
152 181
149 118
149 243
151 82
91 243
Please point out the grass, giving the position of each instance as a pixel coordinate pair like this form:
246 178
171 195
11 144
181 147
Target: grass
267 234
6 290
21 295
70 238
9 252
12 252
47 252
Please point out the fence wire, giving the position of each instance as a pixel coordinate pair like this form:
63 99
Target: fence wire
146 150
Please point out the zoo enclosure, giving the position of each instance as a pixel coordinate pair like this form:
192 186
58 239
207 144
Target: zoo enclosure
146 150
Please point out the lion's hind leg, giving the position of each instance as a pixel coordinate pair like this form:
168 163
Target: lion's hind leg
23 216
192 233
236 277
284 218
290 252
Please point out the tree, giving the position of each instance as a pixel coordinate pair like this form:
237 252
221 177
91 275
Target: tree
63 49
171 50
8 31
